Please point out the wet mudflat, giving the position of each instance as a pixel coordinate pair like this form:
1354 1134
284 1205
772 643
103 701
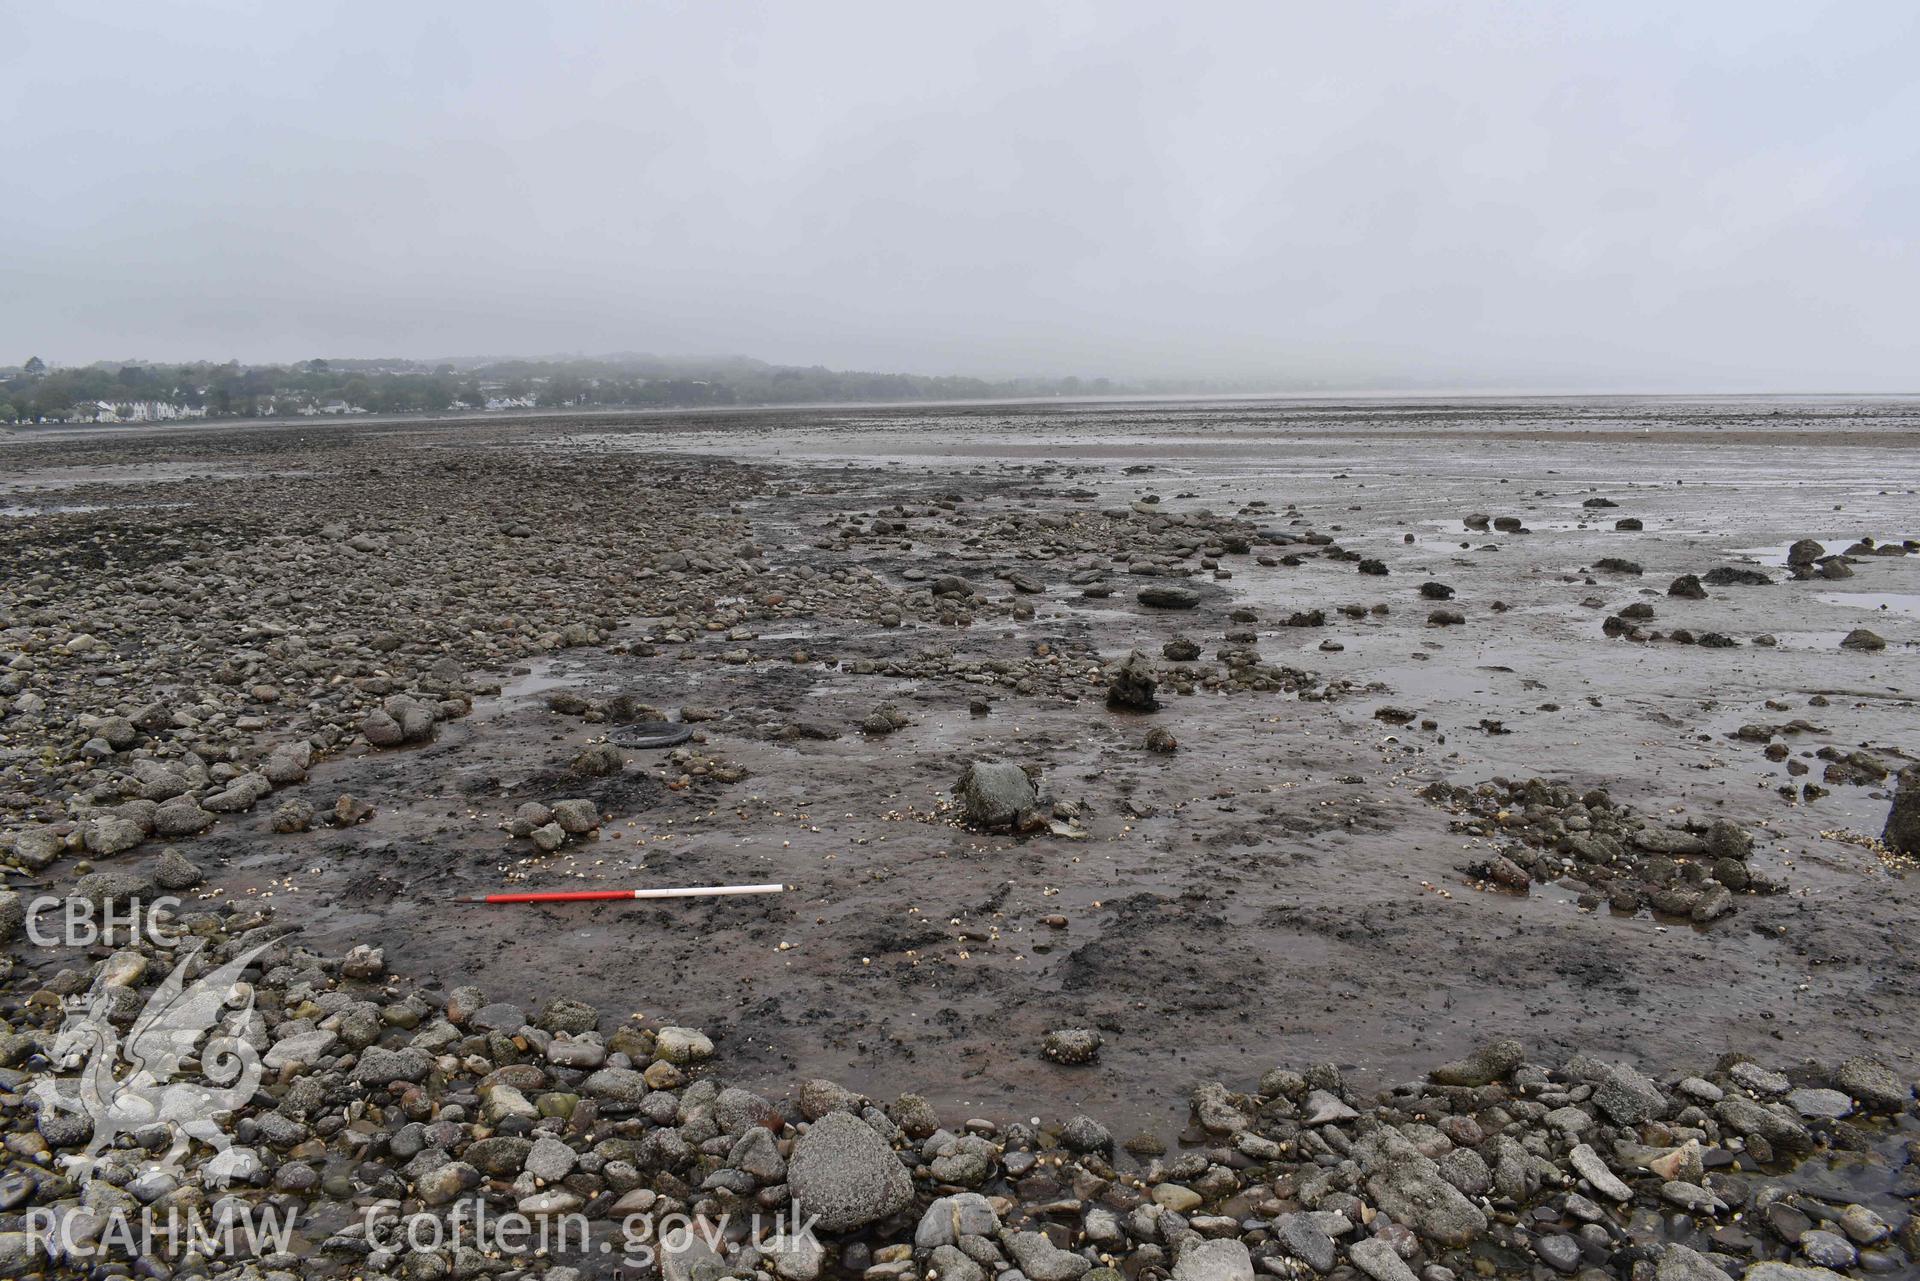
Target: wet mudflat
1276 890
1310 838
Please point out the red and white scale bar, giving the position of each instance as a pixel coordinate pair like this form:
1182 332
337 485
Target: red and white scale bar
603 896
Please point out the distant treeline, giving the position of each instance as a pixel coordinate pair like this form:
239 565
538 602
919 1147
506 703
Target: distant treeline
141 391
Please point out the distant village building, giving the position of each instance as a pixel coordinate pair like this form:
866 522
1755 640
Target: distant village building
132 411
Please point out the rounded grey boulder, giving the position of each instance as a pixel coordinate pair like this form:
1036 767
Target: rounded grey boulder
1071 1045
995 793
845 1174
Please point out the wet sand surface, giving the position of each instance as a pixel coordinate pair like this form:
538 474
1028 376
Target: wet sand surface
1274 892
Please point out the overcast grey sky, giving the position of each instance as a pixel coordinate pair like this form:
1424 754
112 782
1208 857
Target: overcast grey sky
1604 193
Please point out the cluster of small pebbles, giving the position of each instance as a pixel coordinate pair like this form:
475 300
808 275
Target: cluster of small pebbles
1807 561
1612 855
159 672
381 1093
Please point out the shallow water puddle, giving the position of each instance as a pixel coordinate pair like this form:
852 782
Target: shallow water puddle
1906 603
51 509
1810 640
29 510
540 678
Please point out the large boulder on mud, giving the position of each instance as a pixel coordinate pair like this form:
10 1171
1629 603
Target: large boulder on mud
1408 1185
576 816
819 1096
1627 1096
1735 576
1785 1272
685 1256
995 793
181 817
399 720
159 781
1687 587
1225 1259
1729 840
1874 1084
599 760
380 1066
111 834
293 815
289 763
682 1046
1181 649
382 730
1678 1263
36 847
242 794
1774 1123
1131 683
415 717
1484 1066
1805 551
1168 596
845 1174
1039 1259
1072 1045
176 871
106 888
1379 1260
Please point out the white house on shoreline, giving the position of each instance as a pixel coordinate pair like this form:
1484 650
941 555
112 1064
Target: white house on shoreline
131 411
